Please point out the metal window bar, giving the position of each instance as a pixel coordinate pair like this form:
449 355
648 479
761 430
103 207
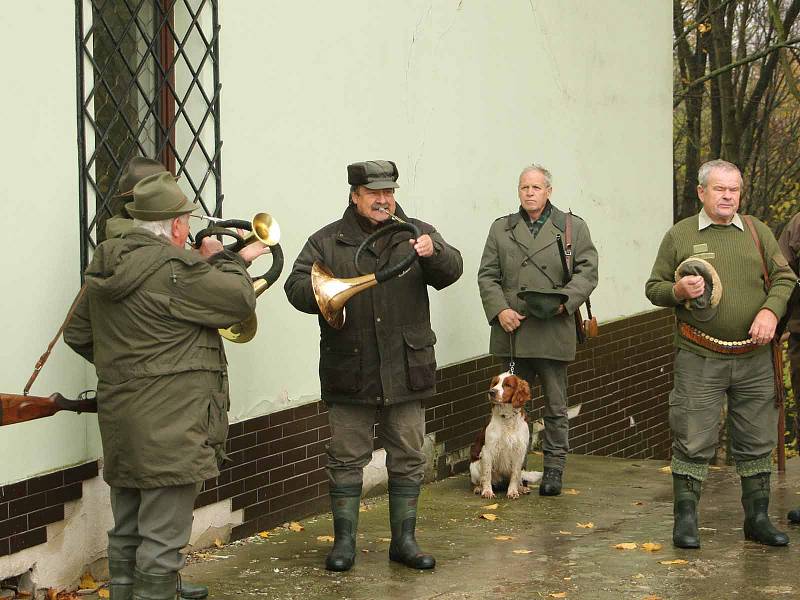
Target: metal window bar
147 85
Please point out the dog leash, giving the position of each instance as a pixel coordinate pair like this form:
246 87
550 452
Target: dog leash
511 345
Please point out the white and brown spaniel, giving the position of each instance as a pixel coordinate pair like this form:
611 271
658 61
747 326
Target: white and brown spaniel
498 454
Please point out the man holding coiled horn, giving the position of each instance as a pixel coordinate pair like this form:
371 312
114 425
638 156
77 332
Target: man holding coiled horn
381 360
148 322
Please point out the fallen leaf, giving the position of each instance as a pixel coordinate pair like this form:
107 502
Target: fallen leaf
384 539
652 598
489 516
503 538
52 594
638 576
490 506
87 582
522 551
706 529
627 546
364 550
651 547
325 538
666 469
295 526
558 595
567 578
638 503
588 525
263 534
715 468
104 593
678 561
565 532
571 492
218 543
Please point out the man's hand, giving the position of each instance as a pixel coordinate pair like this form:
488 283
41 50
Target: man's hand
509 319
423 245
252 251
209 247
688 287
763 328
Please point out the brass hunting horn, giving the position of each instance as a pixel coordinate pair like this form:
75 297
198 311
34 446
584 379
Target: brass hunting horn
263 228
331 293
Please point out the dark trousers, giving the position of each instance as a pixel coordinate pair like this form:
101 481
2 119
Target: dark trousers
701 386
151 526
553 377
401 430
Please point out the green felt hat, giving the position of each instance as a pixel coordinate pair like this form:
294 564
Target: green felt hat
704 308
158 198
542 303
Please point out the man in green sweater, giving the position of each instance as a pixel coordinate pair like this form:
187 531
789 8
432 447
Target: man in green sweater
723 348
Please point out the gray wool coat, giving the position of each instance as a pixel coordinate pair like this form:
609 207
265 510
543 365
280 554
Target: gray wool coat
513 260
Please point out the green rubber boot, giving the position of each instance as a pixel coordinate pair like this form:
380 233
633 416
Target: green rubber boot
345 501
403 519
686 494
192 591
755 500
121 574
154 586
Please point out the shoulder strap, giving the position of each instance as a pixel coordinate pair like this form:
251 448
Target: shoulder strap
754 233
568 240
43 358
777 347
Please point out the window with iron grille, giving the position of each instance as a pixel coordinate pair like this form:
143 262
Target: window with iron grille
148 85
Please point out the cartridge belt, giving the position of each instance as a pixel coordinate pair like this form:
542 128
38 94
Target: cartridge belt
711 343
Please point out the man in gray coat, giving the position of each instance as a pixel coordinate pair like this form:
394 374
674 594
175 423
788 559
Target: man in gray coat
381 361
148 321
530 310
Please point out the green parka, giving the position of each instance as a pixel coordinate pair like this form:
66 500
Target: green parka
148 322
384 353
513 260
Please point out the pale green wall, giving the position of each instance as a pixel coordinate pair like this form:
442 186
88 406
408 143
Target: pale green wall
40 259
461 94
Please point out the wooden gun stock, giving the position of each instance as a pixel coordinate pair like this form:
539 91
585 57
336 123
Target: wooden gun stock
15 408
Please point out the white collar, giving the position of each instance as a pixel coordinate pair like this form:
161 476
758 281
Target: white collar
705 221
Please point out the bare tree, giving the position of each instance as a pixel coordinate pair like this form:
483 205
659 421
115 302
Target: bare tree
736 98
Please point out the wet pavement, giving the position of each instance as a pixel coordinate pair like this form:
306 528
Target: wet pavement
537 547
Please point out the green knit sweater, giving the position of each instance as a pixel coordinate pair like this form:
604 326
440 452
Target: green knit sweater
738 263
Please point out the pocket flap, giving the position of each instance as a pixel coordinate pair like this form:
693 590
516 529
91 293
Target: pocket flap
419 338
342 346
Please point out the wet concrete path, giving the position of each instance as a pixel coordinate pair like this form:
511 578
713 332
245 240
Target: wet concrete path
536 548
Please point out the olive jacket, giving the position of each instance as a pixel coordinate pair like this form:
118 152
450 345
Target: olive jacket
384 352
513 260
789 243
148 321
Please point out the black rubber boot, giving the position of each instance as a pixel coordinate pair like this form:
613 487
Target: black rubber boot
192 591
551 482
154 586
404 549
121 574
794 516
345 501
686 495
755 500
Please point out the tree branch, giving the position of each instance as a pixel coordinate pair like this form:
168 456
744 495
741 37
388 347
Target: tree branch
733 65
